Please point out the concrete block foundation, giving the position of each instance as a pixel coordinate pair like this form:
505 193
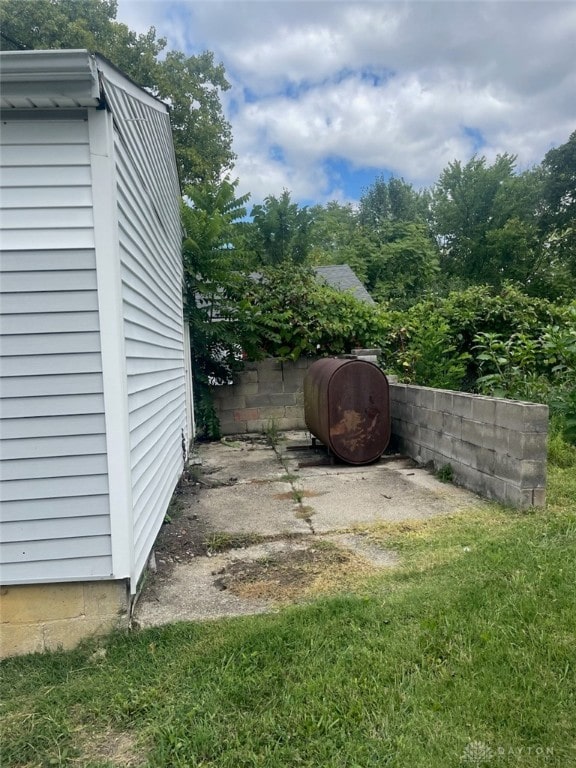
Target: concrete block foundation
41 617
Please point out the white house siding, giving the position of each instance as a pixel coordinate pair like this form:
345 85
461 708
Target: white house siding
151 268
54 487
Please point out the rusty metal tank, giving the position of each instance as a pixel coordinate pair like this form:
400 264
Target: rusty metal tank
347 407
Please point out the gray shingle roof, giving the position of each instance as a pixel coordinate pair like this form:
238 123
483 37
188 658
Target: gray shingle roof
341 277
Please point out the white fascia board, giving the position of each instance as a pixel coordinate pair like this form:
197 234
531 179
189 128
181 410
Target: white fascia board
112 341
54 75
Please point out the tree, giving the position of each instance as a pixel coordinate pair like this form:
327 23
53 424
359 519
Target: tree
558 215
402 264
282 230
390 201
464 210
337 238
401 256
191 85
212 218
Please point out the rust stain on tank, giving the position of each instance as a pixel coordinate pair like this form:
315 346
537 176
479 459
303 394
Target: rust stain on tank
347 406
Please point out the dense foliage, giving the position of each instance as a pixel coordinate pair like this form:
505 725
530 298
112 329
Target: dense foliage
474 276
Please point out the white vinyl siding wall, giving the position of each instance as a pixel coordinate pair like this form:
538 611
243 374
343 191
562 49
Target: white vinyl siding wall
151 268
54 485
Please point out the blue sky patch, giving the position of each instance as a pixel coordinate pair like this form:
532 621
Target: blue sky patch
478 140
353 181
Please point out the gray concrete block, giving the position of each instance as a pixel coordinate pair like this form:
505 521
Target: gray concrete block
516 497
293 380
233 428
528 445
539 497
248 377
429 418
257 425
287 424
305 362
443 444
398 393
270 375
484 409
427 438
452 425
443 401
269 364
401 411
282 399
270 387
509 469
533 474
256 401
501 439
251 388
272 412
536 418
232 403
485 485
294 412
411 431
523 417
464 452
485 460
470 431
424 397
425 455
462 404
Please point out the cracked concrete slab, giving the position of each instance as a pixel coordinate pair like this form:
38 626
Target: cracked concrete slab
267 509
246 488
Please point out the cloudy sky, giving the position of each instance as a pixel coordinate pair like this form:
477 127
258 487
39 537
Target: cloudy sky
328 95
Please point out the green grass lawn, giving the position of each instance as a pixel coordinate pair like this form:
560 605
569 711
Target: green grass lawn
465 655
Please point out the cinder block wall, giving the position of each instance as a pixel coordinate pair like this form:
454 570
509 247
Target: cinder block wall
266 392
495 447
40 617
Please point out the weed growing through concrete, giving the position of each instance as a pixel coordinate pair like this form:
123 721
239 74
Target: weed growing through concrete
272 433
445 474
222 542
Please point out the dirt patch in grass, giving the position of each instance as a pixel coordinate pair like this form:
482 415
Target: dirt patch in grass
113 748
287 576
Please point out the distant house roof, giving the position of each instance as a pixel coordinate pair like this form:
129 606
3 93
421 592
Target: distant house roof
341 277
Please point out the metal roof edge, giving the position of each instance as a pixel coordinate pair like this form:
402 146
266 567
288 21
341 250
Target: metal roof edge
115 75
37 75
29 78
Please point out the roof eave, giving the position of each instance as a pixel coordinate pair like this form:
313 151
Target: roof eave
49 79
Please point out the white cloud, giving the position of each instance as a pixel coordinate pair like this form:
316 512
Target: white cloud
388 85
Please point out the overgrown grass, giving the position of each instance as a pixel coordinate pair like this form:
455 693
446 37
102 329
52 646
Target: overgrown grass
472 639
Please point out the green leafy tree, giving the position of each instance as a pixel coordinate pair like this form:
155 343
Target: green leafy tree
212 217
281 230
464 207
191 85
558 215
391 200
400 253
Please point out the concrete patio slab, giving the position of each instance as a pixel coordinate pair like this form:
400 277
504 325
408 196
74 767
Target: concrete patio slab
290 498
264 508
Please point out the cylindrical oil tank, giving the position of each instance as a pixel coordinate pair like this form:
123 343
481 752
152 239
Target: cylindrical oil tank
347 407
